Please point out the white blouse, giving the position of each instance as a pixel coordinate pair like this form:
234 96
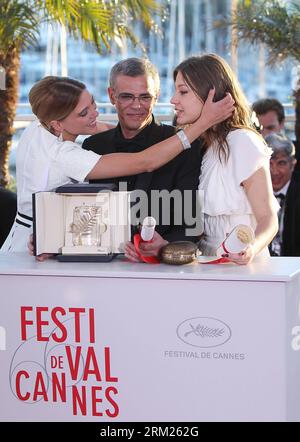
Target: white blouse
225 200
43 163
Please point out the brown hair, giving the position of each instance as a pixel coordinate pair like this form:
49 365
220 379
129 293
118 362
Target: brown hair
209 71
54 98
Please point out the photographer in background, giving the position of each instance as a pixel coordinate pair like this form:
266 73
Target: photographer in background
286 187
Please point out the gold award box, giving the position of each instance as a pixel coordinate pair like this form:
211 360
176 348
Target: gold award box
81 222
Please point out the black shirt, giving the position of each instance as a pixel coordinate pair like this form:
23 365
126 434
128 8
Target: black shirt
181 173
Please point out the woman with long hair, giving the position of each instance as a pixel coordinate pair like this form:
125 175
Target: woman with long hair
235 176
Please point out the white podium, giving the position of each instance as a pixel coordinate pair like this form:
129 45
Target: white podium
139 342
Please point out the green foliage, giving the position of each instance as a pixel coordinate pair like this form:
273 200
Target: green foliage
272 22
18 24
99 22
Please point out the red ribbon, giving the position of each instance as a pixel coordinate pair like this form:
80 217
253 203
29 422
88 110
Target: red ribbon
217 261
149 259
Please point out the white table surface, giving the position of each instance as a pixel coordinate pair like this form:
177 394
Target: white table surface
270 269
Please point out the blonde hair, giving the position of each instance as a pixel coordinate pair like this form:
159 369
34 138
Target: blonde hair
54 98
209 71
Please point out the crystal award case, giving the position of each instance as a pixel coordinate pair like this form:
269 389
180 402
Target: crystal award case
81 222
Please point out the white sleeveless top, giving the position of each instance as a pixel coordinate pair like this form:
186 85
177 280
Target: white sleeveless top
225 200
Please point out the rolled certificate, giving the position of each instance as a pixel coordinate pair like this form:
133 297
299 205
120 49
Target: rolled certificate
237 240
148 228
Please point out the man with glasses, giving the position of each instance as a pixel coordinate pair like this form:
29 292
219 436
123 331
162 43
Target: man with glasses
286 188
134 88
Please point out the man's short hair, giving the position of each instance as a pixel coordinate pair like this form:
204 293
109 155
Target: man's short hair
280 144
265 105
134 67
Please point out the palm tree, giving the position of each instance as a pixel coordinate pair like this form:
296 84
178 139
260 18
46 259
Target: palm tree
276 25
99 22
271 22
